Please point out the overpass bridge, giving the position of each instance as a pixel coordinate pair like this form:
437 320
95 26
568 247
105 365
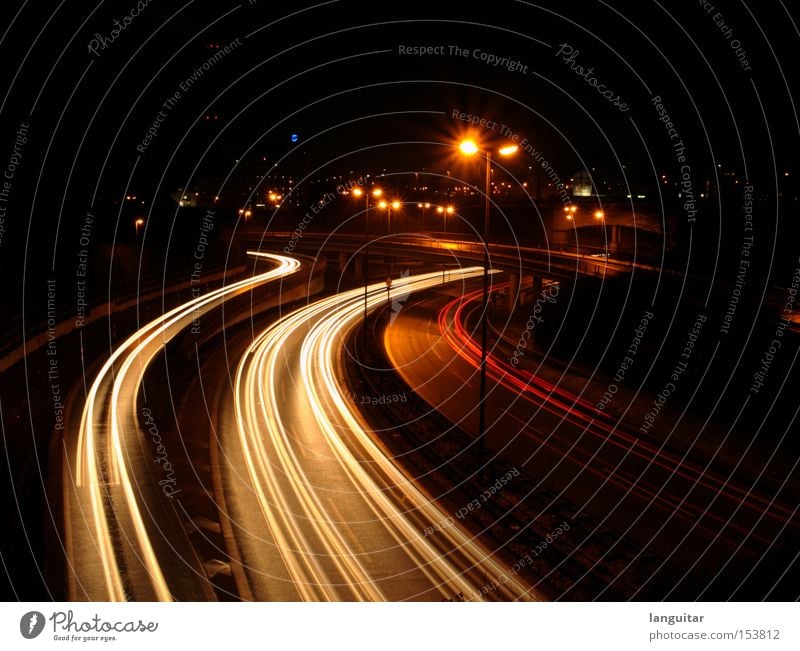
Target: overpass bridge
526 266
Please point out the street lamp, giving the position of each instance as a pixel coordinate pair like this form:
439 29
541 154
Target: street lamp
470 148
389 206
358 192
138 224
444 211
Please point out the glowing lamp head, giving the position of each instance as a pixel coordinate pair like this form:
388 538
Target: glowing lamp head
382 204
357 192
468 147
508 150
395 204
377 192
450 210
599 214
139 221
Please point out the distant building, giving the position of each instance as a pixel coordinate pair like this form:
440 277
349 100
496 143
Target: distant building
582 184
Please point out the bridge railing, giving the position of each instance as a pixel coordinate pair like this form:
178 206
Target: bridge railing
595 262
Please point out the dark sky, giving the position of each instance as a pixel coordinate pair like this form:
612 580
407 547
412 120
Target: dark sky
336 65
336 74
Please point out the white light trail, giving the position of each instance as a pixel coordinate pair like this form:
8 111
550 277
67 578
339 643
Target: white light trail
279 477
93 454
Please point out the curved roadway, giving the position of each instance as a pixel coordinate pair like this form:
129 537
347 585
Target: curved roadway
320 512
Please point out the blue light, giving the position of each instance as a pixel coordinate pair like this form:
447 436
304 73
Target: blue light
294 137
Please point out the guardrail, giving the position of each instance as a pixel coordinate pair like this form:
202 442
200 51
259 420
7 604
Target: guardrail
37 336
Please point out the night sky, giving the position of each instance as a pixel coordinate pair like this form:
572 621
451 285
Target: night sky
334 74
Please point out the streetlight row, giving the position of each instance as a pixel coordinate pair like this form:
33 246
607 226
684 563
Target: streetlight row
396 205
571 210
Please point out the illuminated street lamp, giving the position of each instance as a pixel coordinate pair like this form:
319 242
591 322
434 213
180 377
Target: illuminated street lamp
423 207
394 206
358 192
600 215
444 211
570 210
137 224
389 206
470 148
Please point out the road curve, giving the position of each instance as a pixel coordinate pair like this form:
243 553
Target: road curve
632 485
113 506
338 520
728 493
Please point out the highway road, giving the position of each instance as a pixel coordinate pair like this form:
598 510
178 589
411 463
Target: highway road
120 523
667 502
319 510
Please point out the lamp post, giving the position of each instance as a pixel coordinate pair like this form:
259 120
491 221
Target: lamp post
389 205
358 192
444 211
600 216
138 224
469 148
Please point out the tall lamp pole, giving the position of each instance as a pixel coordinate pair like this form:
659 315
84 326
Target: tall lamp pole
394 205
468 147
357 192
444 211
389 206
484 311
